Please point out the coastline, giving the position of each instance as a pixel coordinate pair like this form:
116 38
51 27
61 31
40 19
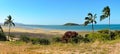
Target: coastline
38 32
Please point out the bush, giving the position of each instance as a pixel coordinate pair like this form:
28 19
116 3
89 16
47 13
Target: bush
106 31
98 36
77 39
91 37
44 42
86 39
56 39
117 37
111 35
69 35
117 34
35 40
2 37
104 37
40 41
25 39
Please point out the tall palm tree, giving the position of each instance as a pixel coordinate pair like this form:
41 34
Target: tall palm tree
90 19
106 14
9 22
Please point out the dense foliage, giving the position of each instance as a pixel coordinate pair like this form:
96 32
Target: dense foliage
2 37
40 41
25 38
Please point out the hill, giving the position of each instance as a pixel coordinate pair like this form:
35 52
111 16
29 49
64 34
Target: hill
71 24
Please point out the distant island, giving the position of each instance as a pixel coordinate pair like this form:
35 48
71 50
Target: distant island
71 24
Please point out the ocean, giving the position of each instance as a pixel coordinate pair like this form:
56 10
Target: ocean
73 28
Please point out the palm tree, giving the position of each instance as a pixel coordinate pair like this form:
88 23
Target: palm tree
106 14
2 35
90 19
9 22
1 30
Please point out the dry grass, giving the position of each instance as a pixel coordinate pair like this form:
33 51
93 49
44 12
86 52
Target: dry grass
60 48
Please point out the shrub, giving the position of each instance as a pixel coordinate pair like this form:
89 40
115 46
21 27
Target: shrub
44 42
106 31
40 41
2 37
77 39
117 34
57 39
35 40
69 35
117 37
86 39
25 38
111 35
98 36
91 37
104 37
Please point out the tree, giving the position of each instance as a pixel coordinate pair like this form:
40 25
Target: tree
90 19
2 35
9 22
1 30
106 14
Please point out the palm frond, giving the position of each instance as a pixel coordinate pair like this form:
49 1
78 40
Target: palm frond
9 17
86 23
95 16
102 17
95 22
13 24
90 14
87 18
106 11
5 23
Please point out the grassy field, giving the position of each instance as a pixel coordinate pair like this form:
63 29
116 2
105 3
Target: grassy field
17 47
99 43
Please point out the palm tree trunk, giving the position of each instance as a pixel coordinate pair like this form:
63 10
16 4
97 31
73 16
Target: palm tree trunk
9 32
92 28
109 24
109 27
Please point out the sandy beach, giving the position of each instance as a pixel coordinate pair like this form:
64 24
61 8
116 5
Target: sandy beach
18 31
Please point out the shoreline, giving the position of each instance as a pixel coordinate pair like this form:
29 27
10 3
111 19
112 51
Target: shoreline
37 30
18 31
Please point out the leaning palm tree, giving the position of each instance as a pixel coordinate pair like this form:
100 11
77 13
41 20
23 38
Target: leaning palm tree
90 19
9 22
1 30
2 35
106 14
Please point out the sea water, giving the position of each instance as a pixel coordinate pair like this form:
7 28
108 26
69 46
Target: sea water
74 28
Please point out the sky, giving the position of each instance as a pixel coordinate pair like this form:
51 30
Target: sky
57 12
